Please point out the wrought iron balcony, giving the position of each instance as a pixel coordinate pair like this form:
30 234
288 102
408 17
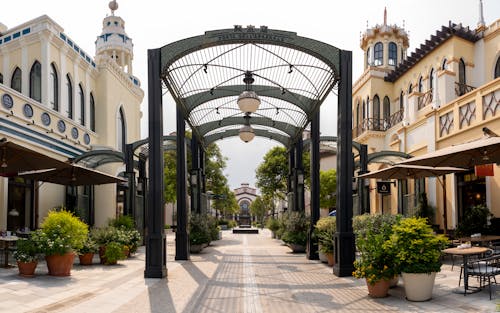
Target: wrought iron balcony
461 89
375 124
424 99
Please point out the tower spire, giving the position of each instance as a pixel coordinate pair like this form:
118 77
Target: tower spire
385 15
113 6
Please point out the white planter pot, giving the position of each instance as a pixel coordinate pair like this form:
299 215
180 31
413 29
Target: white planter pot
322 257
418 287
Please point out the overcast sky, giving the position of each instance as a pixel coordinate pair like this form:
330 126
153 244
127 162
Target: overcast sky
154 23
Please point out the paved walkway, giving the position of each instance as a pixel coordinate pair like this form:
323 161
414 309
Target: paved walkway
240 273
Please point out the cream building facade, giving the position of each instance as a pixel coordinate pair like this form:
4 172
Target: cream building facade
59 100
442 94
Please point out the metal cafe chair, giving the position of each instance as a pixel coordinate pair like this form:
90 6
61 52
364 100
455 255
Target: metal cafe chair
485 269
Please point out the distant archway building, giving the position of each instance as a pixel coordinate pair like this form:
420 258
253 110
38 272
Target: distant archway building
245 195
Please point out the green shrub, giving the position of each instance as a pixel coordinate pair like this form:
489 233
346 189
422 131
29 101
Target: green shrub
61 232
199 231
89 246
324 230
296 226
103 236
475 220
114 252
231 224
273 224
27 250
122 221
417 249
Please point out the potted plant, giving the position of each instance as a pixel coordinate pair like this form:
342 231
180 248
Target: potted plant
273 225
113 253
324 230
61 234
86 253
417 255
199 233
376 259
102 237
26 256
295 233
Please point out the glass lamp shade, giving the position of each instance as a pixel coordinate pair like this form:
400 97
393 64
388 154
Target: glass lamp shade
247 133
248 101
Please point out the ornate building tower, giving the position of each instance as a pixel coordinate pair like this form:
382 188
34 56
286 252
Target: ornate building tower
384 45
113 42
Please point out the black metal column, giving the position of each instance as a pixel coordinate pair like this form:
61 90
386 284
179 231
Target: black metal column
156 254
344 237
363 195
195 177
291 178
202 171
181 235
299 176
312 251
130 193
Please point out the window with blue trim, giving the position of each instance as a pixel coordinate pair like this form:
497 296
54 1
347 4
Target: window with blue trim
393 53
378 54
36 82
16 81
69 89
81 95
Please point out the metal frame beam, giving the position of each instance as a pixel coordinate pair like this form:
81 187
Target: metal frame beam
312 252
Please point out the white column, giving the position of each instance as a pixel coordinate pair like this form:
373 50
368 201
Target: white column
45 52
454 205
7 74
25 85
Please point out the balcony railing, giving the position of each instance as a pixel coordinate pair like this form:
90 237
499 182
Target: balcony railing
461 89
375 124
424 99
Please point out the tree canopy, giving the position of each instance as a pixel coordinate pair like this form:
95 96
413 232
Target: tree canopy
327 188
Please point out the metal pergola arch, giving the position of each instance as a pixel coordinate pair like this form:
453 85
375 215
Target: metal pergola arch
293 76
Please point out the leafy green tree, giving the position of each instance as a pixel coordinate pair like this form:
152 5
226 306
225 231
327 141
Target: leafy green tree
259 209
272 173
327 188
170 176
227 204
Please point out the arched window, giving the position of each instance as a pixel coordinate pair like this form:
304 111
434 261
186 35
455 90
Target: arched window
367 107
36 82
376 112
357 114
16 81
444 65
92 112
461 77
387 109
363 109
1 78
54 88
497 68
368 57
69 88
431 79
81 96
378 53
393 53
401 101
421 84
410 89
121 131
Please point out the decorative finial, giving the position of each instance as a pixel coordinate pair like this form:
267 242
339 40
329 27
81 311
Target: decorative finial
481 15
385 15
113 6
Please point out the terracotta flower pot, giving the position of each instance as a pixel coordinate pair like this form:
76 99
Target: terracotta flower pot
378 289
27 269
60 265
86 259
331 259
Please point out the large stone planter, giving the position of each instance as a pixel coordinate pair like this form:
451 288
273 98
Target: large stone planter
418 287
60 265
297 248
322 257
195 248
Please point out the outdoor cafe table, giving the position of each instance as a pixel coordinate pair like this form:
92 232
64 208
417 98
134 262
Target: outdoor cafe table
465 252
5 243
